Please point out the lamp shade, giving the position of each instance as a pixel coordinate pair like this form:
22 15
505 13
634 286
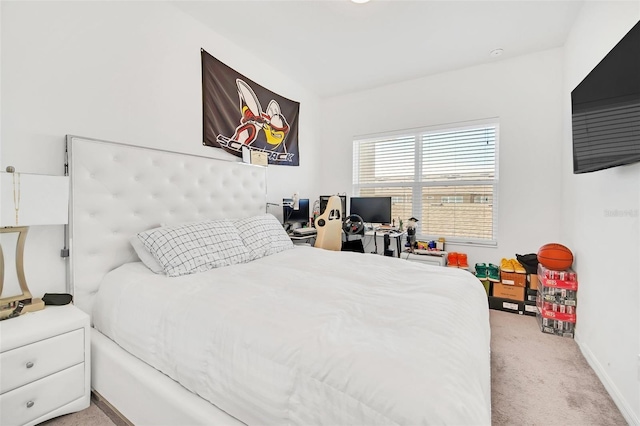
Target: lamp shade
30 199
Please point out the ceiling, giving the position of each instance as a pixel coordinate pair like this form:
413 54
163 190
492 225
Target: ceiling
333 47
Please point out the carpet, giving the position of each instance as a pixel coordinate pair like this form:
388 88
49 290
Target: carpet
536 379
543 379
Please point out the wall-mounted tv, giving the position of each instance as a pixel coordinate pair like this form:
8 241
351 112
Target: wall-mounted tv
606 109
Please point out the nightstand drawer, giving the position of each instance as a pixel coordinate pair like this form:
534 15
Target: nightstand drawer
32 362
36 399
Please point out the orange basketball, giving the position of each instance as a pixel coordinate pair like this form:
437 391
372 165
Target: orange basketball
555 256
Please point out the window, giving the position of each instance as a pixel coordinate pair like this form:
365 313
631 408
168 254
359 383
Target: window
485 199
451 199
446 177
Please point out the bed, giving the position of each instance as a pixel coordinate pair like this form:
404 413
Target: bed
298 335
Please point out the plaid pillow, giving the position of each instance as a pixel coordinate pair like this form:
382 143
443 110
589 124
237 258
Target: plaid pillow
263 235
145 257
195 247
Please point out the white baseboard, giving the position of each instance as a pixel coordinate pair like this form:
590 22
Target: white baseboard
617 397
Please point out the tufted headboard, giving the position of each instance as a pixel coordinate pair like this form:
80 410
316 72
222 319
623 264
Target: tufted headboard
118 190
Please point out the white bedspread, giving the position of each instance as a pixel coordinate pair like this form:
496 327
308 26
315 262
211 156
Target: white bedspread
310 336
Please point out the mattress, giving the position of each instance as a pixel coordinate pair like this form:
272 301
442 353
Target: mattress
310 336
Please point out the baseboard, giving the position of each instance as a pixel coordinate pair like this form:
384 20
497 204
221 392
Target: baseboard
617 397
116 417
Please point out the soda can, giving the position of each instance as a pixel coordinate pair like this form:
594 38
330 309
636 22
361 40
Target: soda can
572 276
563 309
562 275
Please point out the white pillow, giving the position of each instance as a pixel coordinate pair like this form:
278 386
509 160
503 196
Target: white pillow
195 247
263 235
145 257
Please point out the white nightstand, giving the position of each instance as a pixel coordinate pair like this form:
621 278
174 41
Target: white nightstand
44 365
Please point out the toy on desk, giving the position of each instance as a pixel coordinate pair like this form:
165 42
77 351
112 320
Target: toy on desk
315 212
411 233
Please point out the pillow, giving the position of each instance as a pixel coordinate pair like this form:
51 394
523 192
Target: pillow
145 257
263 235
195 247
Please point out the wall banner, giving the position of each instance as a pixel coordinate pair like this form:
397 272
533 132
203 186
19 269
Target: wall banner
233 115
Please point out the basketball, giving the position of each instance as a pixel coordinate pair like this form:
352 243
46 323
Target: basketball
555 257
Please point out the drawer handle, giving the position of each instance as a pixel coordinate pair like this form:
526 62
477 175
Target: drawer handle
29 364
30 404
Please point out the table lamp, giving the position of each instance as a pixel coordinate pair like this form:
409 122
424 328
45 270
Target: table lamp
27 200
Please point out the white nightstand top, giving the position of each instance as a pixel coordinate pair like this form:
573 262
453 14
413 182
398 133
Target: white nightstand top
34 326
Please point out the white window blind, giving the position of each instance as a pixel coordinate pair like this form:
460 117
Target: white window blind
445 177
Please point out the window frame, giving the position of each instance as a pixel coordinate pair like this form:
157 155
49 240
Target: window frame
417 184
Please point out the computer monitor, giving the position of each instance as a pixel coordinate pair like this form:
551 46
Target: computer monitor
290 216
324 199
372 209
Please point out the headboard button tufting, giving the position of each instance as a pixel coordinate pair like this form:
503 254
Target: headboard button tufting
120 190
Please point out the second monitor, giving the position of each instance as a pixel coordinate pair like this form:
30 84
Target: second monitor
324 199
292 216
372 209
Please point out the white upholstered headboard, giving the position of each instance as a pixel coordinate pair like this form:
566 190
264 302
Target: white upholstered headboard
118 190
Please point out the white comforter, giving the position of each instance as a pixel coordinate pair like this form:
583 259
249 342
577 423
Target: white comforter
310 336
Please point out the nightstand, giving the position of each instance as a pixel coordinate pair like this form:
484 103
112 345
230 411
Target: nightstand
44 364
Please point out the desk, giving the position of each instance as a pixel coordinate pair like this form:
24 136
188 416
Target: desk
397 235
309 239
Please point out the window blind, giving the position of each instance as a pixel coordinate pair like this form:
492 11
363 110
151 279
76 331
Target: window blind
445 177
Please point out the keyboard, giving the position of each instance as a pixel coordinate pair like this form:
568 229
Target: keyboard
304 231
387 228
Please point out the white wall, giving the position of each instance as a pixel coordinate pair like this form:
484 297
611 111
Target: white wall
119 71
600 223
523 92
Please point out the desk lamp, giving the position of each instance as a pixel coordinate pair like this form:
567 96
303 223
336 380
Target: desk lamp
27 200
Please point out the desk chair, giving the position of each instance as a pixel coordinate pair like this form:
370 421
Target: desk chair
329 226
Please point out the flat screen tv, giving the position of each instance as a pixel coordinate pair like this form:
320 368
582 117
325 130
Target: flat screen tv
372 209
606 109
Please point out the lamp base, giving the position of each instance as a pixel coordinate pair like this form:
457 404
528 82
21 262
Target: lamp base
36 304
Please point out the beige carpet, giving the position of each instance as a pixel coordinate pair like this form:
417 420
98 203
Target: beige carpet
91 416
536 379
542 379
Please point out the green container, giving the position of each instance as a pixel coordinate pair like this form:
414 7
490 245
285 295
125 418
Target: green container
486 284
